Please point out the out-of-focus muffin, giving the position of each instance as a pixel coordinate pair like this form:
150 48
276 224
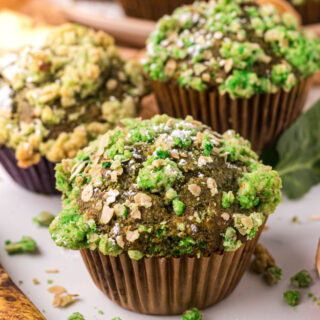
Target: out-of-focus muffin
56 98
233 65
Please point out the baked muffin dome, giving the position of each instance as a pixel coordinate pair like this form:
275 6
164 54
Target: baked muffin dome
56 98
163 187
240 47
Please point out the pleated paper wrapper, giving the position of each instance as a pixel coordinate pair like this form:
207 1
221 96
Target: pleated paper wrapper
168 286
38 178
260 119
151 9
309 11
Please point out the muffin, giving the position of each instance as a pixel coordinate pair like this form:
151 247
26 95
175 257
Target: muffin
308 9
151 9
233 65
58 97
166 212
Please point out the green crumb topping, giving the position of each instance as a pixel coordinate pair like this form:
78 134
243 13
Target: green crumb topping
44 219
192 314
163 187
248 225
272 275
291 297
76 316
25 245
302 279
227 199
230 241
239 47
58 97
178 207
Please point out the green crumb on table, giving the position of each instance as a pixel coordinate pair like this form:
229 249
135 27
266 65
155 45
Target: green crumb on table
44 219
76 316
310 295
192 314
117 318
25 245
302 279
49 281
291 297
101 312
272 275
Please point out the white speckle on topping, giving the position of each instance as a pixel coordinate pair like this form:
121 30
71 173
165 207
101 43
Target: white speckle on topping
116 229
112 195
194 228
182 162
87 193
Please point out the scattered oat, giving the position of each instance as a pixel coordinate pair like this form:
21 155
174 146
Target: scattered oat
225 216
120 242
35 281
202 161
107 214
315 217
62 301
136 214
112 195
212 185
87 193
194 189
57 290
52 271
132 235
143 200
266 228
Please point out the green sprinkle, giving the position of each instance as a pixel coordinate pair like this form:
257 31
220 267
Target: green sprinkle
291 297
101 312
106 165
49 281
178 206
227 199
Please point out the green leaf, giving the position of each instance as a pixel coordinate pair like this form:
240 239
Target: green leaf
299 154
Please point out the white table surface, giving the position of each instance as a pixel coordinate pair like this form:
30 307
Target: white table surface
292 245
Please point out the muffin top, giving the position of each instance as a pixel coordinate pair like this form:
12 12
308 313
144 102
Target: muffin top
54 99
240 47
163 187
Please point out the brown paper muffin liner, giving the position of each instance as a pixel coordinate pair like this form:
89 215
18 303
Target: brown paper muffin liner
151 9
37 178
168 286
309 11
260 119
